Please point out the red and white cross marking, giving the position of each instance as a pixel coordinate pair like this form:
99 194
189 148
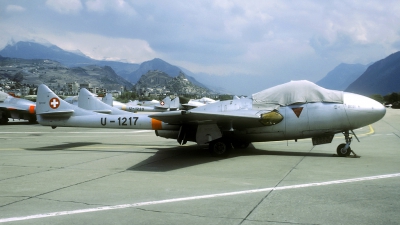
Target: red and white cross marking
162 103
54 103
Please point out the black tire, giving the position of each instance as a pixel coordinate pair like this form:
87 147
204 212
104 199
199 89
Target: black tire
32 120
342 153
240 145
3 119
219 148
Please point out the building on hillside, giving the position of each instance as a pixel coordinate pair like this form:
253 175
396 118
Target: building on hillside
72 88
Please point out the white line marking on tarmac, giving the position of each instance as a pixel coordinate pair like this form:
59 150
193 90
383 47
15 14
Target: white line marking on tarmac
124 206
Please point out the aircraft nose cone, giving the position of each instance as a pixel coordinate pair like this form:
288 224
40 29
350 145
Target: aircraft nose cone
361 110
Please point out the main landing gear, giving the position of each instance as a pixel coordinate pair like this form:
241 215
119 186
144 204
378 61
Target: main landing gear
3 118
222 147
344 150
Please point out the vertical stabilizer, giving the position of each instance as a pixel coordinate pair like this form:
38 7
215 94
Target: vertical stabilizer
175 104
49 104
108 99
89 102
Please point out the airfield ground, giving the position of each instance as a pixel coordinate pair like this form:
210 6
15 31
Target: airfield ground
104 176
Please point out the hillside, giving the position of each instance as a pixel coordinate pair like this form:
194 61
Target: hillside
382 77
158 81
129 71
55 74
342 76
155 64
160 65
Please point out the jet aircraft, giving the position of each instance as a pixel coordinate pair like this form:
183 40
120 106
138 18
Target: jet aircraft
291 111
194 103
16 108
145 106
89 101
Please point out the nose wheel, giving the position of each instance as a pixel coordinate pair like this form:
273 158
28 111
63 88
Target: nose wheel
344 150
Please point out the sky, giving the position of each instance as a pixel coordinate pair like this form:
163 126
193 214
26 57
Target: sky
254 44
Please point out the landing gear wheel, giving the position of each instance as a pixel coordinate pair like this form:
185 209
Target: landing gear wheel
32 120
3 119
240 145
219 148
341 152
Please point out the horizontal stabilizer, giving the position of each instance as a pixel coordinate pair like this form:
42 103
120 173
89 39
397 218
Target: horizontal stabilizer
60 113
161 107
103 111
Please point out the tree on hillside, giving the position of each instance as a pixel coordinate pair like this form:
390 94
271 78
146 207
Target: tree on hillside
126 96
378 98
392 98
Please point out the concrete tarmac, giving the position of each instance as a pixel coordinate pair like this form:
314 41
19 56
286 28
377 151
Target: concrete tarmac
104 176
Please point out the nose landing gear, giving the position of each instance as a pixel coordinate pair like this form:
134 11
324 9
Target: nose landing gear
344 150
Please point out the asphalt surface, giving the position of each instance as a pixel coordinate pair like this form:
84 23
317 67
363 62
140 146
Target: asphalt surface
104 176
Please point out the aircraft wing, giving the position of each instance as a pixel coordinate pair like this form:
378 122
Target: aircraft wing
16 108
12 107
239 119
19 104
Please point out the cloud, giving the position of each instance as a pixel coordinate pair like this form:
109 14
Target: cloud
354 32
105 48
119 6
65 7
15 9
273 40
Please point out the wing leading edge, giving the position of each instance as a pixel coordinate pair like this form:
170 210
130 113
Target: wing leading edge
240 119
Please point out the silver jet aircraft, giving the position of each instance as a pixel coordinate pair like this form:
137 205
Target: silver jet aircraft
291 111
16 108
146 106
88 101
194 103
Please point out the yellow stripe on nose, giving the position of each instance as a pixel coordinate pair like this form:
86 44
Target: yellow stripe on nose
156 124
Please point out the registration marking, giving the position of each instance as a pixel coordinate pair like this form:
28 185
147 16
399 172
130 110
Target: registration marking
132 205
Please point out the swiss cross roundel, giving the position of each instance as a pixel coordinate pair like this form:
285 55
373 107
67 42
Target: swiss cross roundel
54 103
162 103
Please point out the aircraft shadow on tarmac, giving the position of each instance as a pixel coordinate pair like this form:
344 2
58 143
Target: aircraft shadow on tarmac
167 159
68 147
65 146
176 157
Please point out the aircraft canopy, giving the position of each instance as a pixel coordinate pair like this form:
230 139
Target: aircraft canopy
296 92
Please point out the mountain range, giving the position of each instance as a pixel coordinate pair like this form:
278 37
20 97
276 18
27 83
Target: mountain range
381 77
342 76
129 71
56 75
